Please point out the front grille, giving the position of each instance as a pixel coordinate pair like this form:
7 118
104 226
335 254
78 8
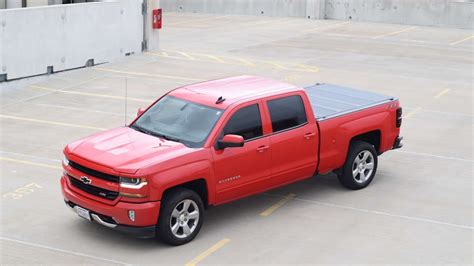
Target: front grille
93 172
96 191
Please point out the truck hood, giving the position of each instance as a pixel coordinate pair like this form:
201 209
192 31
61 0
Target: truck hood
126 150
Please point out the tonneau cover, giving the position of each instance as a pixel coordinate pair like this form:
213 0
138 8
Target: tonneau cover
330 100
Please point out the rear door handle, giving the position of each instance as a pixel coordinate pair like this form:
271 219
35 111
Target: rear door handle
309 135
262 148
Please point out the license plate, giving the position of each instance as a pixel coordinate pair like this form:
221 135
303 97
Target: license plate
83 213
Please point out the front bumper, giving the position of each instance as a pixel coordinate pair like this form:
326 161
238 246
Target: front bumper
140 232
116 216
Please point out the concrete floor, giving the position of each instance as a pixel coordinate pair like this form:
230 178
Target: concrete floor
419 209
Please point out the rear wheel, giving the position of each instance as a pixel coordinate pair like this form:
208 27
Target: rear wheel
181 216
360 166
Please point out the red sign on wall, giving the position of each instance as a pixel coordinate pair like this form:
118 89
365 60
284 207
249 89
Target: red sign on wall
156 18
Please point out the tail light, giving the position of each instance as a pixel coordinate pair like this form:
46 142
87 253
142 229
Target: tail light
399 117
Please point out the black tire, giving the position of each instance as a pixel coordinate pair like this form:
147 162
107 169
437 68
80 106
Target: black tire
172 199
362 179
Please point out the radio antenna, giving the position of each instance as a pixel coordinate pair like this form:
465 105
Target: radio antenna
126 88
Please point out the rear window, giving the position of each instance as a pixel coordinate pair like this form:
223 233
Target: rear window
287 112
245 122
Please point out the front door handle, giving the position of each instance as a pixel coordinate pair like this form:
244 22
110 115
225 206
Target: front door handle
309 135
262 148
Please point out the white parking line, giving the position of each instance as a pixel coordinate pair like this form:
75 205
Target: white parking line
376 212
445 113
436 156
50 92
61 250
30 156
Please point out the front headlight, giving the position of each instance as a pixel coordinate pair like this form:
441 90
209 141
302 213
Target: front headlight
133 183
65 161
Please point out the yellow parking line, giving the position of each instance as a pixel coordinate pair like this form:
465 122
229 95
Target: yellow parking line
309 68
191 54
245 61
462 40
91 94
48 122
394 33
208 252
186 55
29 163
277 205
215 58
410 114
441 93
231 60
145 74
276 65
164 54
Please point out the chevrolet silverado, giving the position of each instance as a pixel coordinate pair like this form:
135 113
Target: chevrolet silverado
217 141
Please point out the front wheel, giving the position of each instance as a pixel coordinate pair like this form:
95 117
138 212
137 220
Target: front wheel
360 166
181 216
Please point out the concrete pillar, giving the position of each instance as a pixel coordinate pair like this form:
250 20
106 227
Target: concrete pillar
315 9
14 3
151 35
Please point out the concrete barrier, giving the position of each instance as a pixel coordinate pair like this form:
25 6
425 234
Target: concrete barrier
38 40
446 13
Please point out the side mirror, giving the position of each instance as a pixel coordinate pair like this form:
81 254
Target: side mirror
140 111
229 141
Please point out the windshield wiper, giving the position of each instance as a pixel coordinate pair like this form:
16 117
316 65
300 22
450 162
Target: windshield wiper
166 137
151 133
141 129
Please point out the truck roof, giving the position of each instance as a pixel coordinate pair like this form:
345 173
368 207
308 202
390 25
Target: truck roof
231 89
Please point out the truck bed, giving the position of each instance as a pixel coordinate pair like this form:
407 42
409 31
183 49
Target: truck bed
329 100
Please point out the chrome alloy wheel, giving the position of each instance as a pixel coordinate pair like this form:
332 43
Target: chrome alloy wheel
363 166
184 218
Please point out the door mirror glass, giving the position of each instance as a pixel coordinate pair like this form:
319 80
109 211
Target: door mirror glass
140 111
229 141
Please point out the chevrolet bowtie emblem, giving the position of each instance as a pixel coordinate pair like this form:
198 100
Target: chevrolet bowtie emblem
86 180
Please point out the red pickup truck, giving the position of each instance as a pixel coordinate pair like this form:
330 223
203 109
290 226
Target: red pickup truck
217 141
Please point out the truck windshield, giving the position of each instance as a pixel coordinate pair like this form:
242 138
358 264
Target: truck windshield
178 120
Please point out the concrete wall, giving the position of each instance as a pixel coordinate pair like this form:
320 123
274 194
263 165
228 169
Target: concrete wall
67 36
448 13
277 8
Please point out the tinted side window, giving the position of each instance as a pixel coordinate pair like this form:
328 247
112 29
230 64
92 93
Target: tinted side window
246 122
287 112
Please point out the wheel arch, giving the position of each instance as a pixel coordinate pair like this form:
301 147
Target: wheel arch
373 137
198 185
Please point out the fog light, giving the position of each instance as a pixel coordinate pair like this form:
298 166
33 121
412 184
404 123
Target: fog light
131 215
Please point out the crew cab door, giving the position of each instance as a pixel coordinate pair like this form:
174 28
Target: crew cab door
294 138
239 171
